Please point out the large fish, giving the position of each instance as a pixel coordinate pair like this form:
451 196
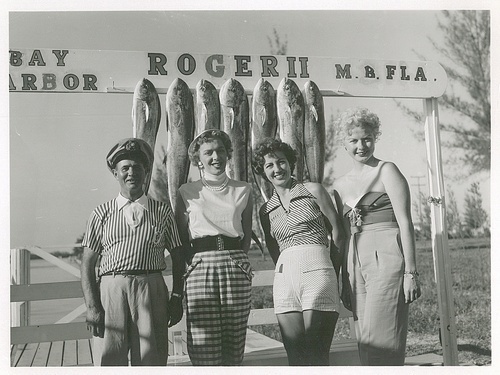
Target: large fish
146 116
290 105
180 131
264 123
264 120
314 132
207 106
235 118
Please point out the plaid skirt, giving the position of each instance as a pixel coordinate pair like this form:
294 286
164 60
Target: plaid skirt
218 290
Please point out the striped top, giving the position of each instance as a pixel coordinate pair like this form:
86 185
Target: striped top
123 248
303 224
215 212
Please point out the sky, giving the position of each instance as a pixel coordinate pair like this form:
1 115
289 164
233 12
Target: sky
58 142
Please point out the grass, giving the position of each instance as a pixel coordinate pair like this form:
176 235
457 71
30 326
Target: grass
471 283
471 277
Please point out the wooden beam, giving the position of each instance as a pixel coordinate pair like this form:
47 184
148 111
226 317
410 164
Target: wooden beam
45 291
263 278
262 316
20 273
55 261
440 250
50 332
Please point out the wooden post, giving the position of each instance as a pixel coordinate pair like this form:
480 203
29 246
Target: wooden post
440 250
20 274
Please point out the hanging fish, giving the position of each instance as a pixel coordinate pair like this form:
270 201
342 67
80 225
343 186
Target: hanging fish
180 131
314 132
146 116
207 106
290 105
264 123
235 118
264 120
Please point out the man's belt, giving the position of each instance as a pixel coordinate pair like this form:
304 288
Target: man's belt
211 243
132 272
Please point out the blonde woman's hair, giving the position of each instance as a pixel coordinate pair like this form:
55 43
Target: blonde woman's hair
357 117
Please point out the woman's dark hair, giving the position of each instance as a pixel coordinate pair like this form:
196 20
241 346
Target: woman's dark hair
271 146
208 136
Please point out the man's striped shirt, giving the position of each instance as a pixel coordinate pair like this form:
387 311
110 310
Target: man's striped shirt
123 248
303 224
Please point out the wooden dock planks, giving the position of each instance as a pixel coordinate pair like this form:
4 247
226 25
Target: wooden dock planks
79 353
70 353
27 355
84 352
41 355
56 353
15 353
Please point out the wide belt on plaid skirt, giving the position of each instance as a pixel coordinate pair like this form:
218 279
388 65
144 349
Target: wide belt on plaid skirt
211 243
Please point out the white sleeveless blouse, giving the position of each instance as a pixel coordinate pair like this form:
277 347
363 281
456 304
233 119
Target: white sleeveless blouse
215 212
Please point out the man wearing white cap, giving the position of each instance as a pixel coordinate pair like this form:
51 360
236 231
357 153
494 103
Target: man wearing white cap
128 309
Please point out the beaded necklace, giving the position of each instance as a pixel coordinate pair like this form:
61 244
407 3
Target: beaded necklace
220 187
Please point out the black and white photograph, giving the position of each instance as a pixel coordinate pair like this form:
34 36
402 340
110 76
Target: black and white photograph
220 184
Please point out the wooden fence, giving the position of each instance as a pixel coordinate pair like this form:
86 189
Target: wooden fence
66 329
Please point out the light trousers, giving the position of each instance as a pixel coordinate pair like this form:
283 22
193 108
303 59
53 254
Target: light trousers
376 270
135 310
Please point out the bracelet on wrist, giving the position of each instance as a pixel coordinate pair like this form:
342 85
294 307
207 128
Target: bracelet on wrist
177 295
412 274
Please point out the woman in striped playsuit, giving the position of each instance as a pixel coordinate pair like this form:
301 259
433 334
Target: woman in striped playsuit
214 216
295 221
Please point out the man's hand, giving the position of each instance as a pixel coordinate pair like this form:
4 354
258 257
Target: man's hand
95 321
345 294
175 310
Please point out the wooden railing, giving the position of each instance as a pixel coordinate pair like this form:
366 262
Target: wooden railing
66 329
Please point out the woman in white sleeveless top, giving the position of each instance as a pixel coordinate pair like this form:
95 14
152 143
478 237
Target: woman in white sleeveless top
214 218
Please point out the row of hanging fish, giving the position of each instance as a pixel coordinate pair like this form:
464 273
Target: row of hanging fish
294 116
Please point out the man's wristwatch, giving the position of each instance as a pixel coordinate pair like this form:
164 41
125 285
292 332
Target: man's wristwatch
177 295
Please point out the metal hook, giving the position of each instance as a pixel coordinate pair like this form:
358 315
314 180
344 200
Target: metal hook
435 200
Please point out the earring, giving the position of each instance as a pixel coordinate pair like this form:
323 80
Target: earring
201 170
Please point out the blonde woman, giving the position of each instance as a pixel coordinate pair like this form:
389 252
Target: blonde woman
381 262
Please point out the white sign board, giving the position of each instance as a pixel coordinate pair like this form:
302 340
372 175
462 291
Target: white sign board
63 70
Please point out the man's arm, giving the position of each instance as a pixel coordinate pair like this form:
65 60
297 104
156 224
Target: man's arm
95 311
178 257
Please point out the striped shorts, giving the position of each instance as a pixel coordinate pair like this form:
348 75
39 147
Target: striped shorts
218 290
304 279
